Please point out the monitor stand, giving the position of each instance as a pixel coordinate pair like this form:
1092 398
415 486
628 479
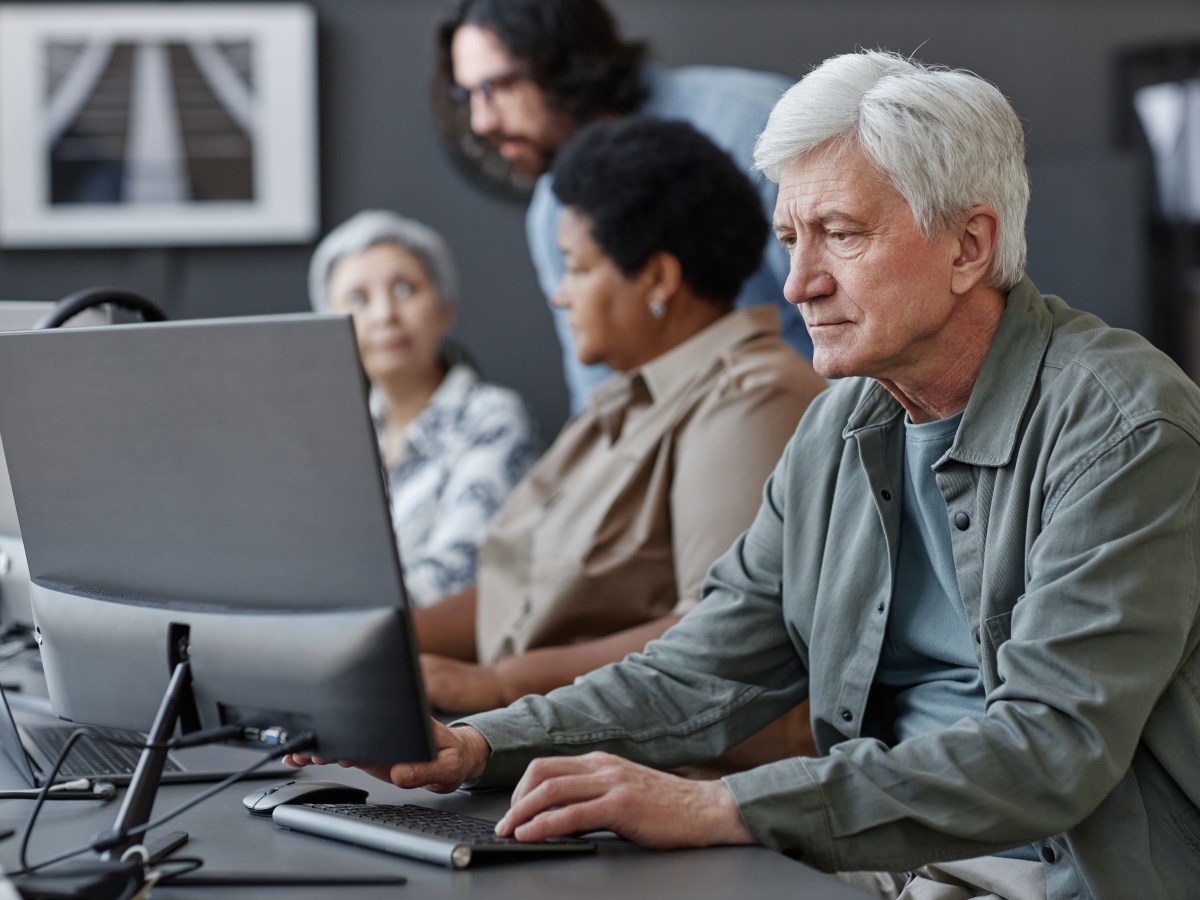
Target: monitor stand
113 875
138 802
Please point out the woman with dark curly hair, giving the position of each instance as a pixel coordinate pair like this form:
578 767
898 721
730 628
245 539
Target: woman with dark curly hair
605 543
515 79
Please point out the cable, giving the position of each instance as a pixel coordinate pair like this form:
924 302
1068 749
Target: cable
191 739
108 839
79 789
43 793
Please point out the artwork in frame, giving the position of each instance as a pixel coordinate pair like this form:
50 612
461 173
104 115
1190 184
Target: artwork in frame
157 124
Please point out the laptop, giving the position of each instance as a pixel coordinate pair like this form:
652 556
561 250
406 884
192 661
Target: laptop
33 746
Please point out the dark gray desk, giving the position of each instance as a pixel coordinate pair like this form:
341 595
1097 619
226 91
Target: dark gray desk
228 839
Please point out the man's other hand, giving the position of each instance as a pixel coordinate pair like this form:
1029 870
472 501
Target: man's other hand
601 792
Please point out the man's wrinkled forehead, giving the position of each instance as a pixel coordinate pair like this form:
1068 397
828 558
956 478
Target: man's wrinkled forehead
831 178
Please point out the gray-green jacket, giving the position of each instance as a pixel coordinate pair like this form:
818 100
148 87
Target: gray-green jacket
1072 494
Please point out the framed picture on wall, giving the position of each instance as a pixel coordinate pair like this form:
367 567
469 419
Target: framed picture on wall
157 124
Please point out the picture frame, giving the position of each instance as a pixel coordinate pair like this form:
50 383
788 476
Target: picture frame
157 124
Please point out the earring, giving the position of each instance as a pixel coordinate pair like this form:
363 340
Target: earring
658 309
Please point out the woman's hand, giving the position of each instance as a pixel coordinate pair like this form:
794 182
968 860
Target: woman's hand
460 687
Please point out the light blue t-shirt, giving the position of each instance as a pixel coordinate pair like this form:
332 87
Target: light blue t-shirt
928 659
729 105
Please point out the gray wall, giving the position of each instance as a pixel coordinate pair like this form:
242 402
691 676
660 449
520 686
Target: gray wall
1053 58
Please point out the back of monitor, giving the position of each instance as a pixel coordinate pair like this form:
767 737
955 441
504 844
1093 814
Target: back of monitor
15 608
230 512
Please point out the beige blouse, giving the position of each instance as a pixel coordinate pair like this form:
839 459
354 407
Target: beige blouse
617 524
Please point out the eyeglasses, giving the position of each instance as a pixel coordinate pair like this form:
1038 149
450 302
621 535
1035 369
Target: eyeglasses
488 89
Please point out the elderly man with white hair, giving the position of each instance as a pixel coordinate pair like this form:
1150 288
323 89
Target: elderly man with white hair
977 557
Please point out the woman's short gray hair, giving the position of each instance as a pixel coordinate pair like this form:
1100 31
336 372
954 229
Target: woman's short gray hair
370 228
946 139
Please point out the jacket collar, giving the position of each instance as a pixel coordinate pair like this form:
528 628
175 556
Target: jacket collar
991 422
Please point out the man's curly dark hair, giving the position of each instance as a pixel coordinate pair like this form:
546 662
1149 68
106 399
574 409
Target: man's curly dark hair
650 185
570 48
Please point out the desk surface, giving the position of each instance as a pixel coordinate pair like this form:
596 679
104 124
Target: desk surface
229 839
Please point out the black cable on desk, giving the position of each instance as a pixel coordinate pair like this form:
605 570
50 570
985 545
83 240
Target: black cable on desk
303 742
295 745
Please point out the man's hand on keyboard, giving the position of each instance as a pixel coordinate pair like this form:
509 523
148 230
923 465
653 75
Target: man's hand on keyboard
598 791
462 755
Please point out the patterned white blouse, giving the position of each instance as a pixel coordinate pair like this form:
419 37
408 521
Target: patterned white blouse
458 461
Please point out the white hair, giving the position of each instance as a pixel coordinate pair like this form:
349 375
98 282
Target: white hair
946 140
371 228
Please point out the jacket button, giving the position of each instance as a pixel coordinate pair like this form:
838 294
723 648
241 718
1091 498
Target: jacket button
962 521
847 716
1048 853
880 607
885 494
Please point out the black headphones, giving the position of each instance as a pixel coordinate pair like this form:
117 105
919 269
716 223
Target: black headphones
73 304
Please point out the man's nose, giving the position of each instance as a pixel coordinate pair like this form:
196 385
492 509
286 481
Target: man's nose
808 278
483 115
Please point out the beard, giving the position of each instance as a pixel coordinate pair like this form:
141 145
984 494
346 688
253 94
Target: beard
525 156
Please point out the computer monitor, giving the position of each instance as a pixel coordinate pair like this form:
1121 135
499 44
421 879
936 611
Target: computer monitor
15 610
211 491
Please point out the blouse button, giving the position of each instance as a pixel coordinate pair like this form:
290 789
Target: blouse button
962 521
885 494
847 716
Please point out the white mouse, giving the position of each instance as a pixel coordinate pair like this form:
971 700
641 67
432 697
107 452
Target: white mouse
263 800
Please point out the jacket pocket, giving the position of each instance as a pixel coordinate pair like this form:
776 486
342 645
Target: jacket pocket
992 634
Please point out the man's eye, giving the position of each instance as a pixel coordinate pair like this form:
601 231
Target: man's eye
403 289
838 236
356 300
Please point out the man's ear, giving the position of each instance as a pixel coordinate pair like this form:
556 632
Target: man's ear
975 248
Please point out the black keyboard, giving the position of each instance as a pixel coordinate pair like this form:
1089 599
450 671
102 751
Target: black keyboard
434 835
92 754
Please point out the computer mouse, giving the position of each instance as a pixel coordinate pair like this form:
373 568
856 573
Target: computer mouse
262 801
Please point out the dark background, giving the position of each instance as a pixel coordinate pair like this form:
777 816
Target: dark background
1055 59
